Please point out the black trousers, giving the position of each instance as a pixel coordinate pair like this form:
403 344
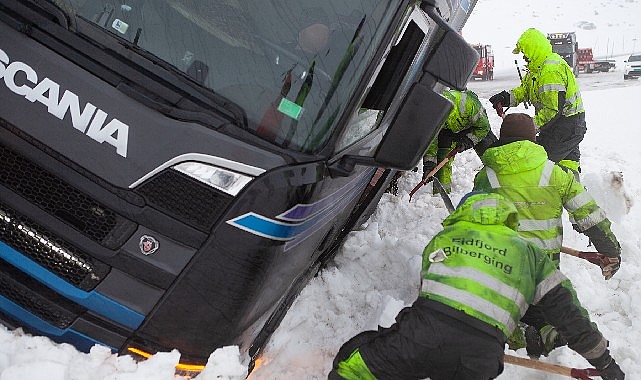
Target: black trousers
424 343
561 139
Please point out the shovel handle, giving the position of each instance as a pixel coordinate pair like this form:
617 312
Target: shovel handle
575 373
593 257
431 173
499 109
440 165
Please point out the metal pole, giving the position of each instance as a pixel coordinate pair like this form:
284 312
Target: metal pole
518 69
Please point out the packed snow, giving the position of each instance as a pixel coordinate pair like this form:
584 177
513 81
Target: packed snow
376 272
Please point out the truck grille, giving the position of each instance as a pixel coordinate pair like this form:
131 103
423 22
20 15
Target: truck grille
63 201
37 298
48 251
185 199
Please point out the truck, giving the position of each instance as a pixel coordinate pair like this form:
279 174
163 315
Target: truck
632 67
566 45
175 172
588 64
485 66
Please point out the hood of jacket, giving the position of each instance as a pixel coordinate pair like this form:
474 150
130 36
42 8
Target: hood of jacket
535 46
484 208
516 157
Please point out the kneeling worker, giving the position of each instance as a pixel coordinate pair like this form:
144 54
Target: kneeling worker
479 277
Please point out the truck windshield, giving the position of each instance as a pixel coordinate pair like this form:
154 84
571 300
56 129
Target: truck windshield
563 48
291 65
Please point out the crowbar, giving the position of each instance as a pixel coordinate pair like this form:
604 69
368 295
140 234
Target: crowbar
446 198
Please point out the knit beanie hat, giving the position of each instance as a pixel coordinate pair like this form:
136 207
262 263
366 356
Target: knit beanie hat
518 126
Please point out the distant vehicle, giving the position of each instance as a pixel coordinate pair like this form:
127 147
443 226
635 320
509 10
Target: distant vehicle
612 62
565 45
632 67
485 67
588 64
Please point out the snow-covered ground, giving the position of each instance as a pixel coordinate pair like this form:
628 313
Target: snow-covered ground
376 273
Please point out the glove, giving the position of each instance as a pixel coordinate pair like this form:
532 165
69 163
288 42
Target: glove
445 138
428 166
502 97
609 368
612 372
464 144
609 266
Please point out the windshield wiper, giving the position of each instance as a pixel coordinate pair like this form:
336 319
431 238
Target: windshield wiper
58 11
208 109
103 17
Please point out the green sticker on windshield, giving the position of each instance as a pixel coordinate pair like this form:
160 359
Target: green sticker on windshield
290 108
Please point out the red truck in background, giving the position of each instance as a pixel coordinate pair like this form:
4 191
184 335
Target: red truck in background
485 67
588 64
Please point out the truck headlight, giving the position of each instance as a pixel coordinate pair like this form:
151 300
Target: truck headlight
222 179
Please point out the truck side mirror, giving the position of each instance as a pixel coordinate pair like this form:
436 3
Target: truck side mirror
452 62
415 126
423 112
417 123
449 62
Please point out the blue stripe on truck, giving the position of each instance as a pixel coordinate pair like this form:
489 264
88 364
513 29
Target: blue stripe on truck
93 300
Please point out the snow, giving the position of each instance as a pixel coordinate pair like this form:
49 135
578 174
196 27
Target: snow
376 273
